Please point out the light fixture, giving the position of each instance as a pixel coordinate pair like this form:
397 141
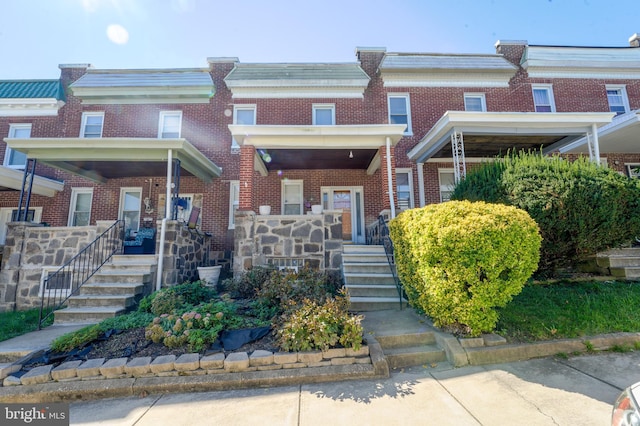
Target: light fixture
350 154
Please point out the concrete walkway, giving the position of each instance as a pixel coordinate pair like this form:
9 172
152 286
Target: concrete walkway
19 346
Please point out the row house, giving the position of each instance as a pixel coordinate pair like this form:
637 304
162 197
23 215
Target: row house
286 164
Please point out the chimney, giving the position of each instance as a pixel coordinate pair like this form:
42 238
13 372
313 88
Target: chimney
634 40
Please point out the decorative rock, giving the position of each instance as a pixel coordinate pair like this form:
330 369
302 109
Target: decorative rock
363 351
138 366
493 340
211 362
66 370
309 357
237 361
334 353
285 357
163 363
187 362
11 381
261 357
90 368
113 368
38 375
343 361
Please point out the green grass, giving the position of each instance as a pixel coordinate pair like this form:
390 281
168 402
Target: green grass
570 309
14 324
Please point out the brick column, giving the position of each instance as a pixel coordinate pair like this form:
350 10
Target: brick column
384 179
247 153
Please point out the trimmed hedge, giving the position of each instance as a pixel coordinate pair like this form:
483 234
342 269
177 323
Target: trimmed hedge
459 260
581 208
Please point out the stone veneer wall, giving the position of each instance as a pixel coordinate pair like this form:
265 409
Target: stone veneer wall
184 251
315 240
29 248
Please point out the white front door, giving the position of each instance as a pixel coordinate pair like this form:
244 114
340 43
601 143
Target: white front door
349 199
10 215
130 202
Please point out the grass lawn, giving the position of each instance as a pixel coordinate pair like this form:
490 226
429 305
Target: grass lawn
16 323
570 309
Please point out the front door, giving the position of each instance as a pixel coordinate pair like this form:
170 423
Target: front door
349 200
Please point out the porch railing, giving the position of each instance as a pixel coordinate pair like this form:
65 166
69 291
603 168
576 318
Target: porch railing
378 234
66 281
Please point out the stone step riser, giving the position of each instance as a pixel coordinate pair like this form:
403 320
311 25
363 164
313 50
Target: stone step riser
85 302
406 340
627 251
362 268
362 249
415 358
618 262
129 268
97 289
375 306
372 291
364 259
121 278
632 273
369 280
62 317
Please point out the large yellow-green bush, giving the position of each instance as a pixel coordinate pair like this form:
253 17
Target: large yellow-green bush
459 260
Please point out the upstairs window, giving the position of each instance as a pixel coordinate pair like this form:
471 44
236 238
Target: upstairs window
245 115
170 124
400 111
617 97
474 102
92 123
543 98
16 159
324 115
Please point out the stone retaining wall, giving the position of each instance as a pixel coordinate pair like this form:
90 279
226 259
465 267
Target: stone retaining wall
184 251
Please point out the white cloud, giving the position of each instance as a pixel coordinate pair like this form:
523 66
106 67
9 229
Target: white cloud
117 34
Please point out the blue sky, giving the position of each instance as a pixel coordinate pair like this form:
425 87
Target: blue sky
37 35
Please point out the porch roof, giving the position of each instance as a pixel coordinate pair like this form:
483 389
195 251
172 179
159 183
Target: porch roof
100 159
318 147
11 180
622 135
487 134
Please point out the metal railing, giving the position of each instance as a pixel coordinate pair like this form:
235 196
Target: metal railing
66 281
378 234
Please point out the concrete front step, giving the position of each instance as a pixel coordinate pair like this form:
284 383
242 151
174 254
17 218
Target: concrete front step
359 248
406 340
112 289
372 290
617 261
363 304
348 258
624 251
413 356
100 300
630 272
369 278
87 314
123 275
366 267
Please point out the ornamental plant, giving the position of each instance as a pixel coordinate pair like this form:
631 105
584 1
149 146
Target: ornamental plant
460 260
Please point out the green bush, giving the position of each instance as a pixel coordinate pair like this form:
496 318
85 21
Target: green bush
171 299
247 284
460 260
580 207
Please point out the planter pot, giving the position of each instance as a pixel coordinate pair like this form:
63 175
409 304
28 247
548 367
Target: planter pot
316 209
209 274
264 210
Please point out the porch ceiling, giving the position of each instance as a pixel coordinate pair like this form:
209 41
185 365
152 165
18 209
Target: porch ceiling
488 134
622 135
11 180
101 159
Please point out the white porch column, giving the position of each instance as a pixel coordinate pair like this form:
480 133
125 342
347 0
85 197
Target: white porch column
421 184
390 179
459 163
163 227
593 144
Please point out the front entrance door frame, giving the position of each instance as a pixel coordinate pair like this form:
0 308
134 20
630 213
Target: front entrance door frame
357 219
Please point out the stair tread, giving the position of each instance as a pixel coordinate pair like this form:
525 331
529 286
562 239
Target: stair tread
370 286
374 299
412 350
92 309
368 274
101 296
113 284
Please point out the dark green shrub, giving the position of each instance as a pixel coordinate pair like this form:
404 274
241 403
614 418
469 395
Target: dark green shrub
247 284
460 260
179 297
581 208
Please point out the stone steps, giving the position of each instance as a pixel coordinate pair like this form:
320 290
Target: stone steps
622 263
373 290
92 314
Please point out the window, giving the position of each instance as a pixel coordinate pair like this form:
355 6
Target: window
185 204
16 159
404 189
292 196
234 202
633 170
91 124
447 183
617 97
170 124
474 102
80 209
400 111
130 199
243 114
324 114
543 98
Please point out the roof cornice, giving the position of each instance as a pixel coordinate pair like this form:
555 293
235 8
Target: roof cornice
34 107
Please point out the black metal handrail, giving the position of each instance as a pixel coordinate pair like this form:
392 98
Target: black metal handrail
378 234
60 285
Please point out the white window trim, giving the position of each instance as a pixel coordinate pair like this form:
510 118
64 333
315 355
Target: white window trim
623 92
235 148
234 185
440 185
549 88
161 119
630 173
74 201
409 130
7 152
409 173
282 193
331 107
83 126
185 215
46 270
482 97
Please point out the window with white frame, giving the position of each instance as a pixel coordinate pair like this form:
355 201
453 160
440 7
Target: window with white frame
447 181
245 115
170 124
404 189
543 98
324 114
16 159
184 205
234 202
474 102
292 199
129 211
400 111
92 123
617 97
80 208
633 170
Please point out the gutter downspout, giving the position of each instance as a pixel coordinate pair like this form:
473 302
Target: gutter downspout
421 183
163 228
390 179
596 143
